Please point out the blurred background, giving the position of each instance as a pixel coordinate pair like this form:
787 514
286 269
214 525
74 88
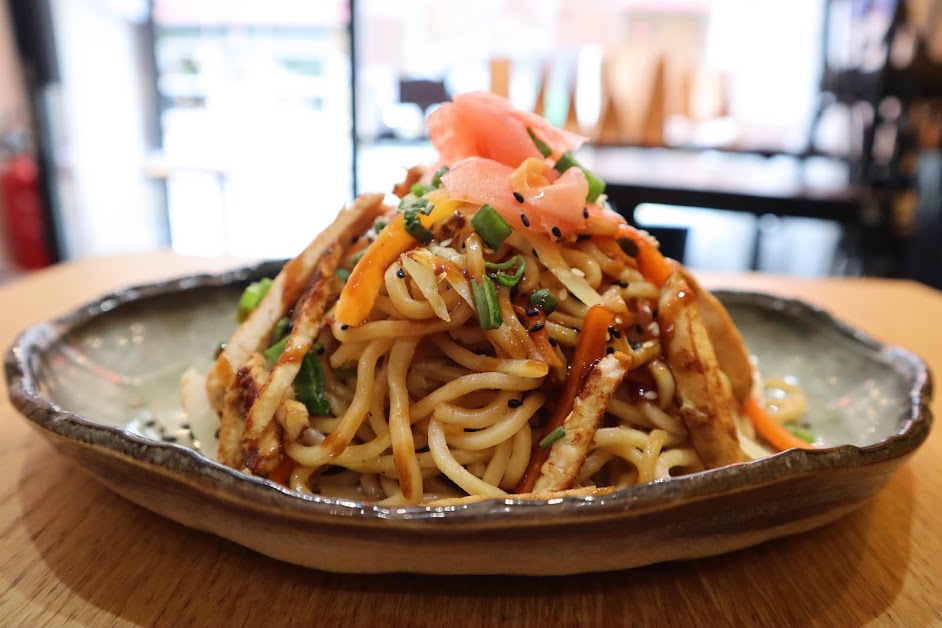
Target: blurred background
799 137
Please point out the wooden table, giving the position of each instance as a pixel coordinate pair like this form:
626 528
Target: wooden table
73 553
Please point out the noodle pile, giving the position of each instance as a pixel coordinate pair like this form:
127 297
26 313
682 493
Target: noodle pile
399 366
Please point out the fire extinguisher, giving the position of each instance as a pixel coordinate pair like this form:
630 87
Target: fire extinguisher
24 217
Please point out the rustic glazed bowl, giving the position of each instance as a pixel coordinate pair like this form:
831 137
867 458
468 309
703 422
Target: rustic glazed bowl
102 384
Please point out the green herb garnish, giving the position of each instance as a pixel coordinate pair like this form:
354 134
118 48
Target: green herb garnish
486 303
251 297
552 437
544 300
491 226
309 386
508 280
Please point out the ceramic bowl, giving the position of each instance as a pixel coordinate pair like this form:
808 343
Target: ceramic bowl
102 384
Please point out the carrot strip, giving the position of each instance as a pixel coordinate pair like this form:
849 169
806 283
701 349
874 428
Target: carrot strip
771 430
589 350
540 338
358 295
653 265
282 472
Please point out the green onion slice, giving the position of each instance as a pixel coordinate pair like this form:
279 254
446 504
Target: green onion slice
343 274
491 226
544 300
410 220
310 386
567 161
274 352
486 303
801 432
507 279
251 297
437 178
379 225
552 437
418 189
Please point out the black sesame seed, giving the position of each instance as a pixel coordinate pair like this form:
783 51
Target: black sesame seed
320 350
639 328
354 239
585 212
168 439
536 328
535 254
217 433
553 342
533 311
184 426
557 232
621 284
654 312
401 274
514 403
344 327
609 350
524 220
616 333
584 236
635 346
518 196
150 423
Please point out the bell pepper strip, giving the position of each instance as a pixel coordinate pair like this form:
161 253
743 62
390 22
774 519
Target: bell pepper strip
358 295
652 264
589 350
772 430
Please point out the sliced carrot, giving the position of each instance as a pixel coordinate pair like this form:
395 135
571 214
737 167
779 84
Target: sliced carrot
358 295
540 338
653 265
772 430
589 350
282 472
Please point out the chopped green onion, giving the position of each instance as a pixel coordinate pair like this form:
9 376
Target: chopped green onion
310 386
541 146
437 178
567 161
418 189
410 220
629 246
486 303
357 257
552 437
801 432
274 352
343 274
491 226
544 300
506 279
379 225
281 327
251 297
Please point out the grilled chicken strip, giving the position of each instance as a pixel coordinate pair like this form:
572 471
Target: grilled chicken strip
731 352
238 398
706 406
254 334
567 455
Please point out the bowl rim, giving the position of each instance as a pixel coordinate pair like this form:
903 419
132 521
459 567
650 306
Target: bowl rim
190 466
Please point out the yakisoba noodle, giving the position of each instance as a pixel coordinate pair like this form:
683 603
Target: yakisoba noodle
502 333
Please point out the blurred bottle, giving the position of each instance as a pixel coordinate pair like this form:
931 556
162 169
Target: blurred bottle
23 216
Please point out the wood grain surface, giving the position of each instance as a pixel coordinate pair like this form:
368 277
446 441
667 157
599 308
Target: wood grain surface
73 553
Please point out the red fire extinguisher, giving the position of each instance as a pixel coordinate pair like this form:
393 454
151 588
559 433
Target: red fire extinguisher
24 218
